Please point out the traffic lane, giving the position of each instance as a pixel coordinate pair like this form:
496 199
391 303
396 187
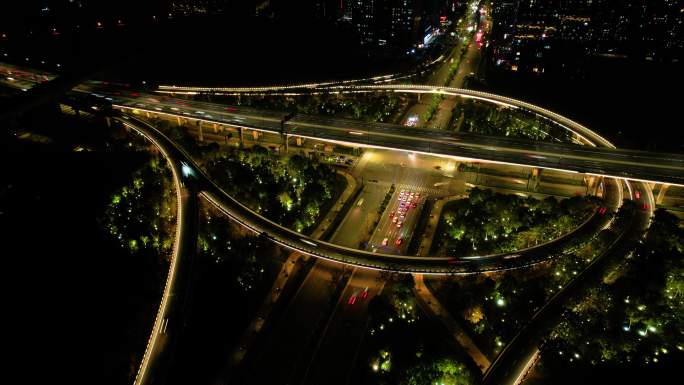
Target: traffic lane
358 219
169 320
283 350
260 115
500 143
608 166
389 227
335 357
518 143
509 146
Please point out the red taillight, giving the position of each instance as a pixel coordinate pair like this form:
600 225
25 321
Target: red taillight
364 295
637 194
352 300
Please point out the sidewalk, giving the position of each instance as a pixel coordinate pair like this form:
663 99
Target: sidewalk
286 272
431 227
430 304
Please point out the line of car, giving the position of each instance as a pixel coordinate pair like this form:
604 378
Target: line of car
356 296
407 200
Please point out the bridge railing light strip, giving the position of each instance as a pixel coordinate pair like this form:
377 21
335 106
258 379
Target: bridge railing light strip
143 369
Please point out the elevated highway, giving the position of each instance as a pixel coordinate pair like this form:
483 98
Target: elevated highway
602 160
306 245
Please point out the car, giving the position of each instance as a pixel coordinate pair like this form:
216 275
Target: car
637 194
360 202
364 293
394 220
399 223
384 241
353 298
402 217
349 161
391 214
398 242
645 206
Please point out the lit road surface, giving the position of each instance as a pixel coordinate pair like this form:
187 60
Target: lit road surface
169 319
629 164
282 356
396 224
21 78
335 356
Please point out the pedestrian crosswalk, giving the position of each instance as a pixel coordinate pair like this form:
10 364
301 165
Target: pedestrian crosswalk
425 190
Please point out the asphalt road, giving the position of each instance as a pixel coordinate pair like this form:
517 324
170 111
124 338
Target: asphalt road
283 355
170 316
601 161
336 354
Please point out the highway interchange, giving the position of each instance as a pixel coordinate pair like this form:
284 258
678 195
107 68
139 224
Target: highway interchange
191 181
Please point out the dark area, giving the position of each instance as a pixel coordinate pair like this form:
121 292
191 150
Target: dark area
666 372
634 104
82 297
222 49
231 277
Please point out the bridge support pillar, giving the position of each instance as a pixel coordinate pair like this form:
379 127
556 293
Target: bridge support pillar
591 181
534 179
216 128
178 120
255 135
661 194
241 132
201 134
298 141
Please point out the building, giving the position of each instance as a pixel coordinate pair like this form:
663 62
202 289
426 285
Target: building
398 23
531 35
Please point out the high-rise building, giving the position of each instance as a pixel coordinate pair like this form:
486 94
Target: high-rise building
211 7
526 33
363 15
384 22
